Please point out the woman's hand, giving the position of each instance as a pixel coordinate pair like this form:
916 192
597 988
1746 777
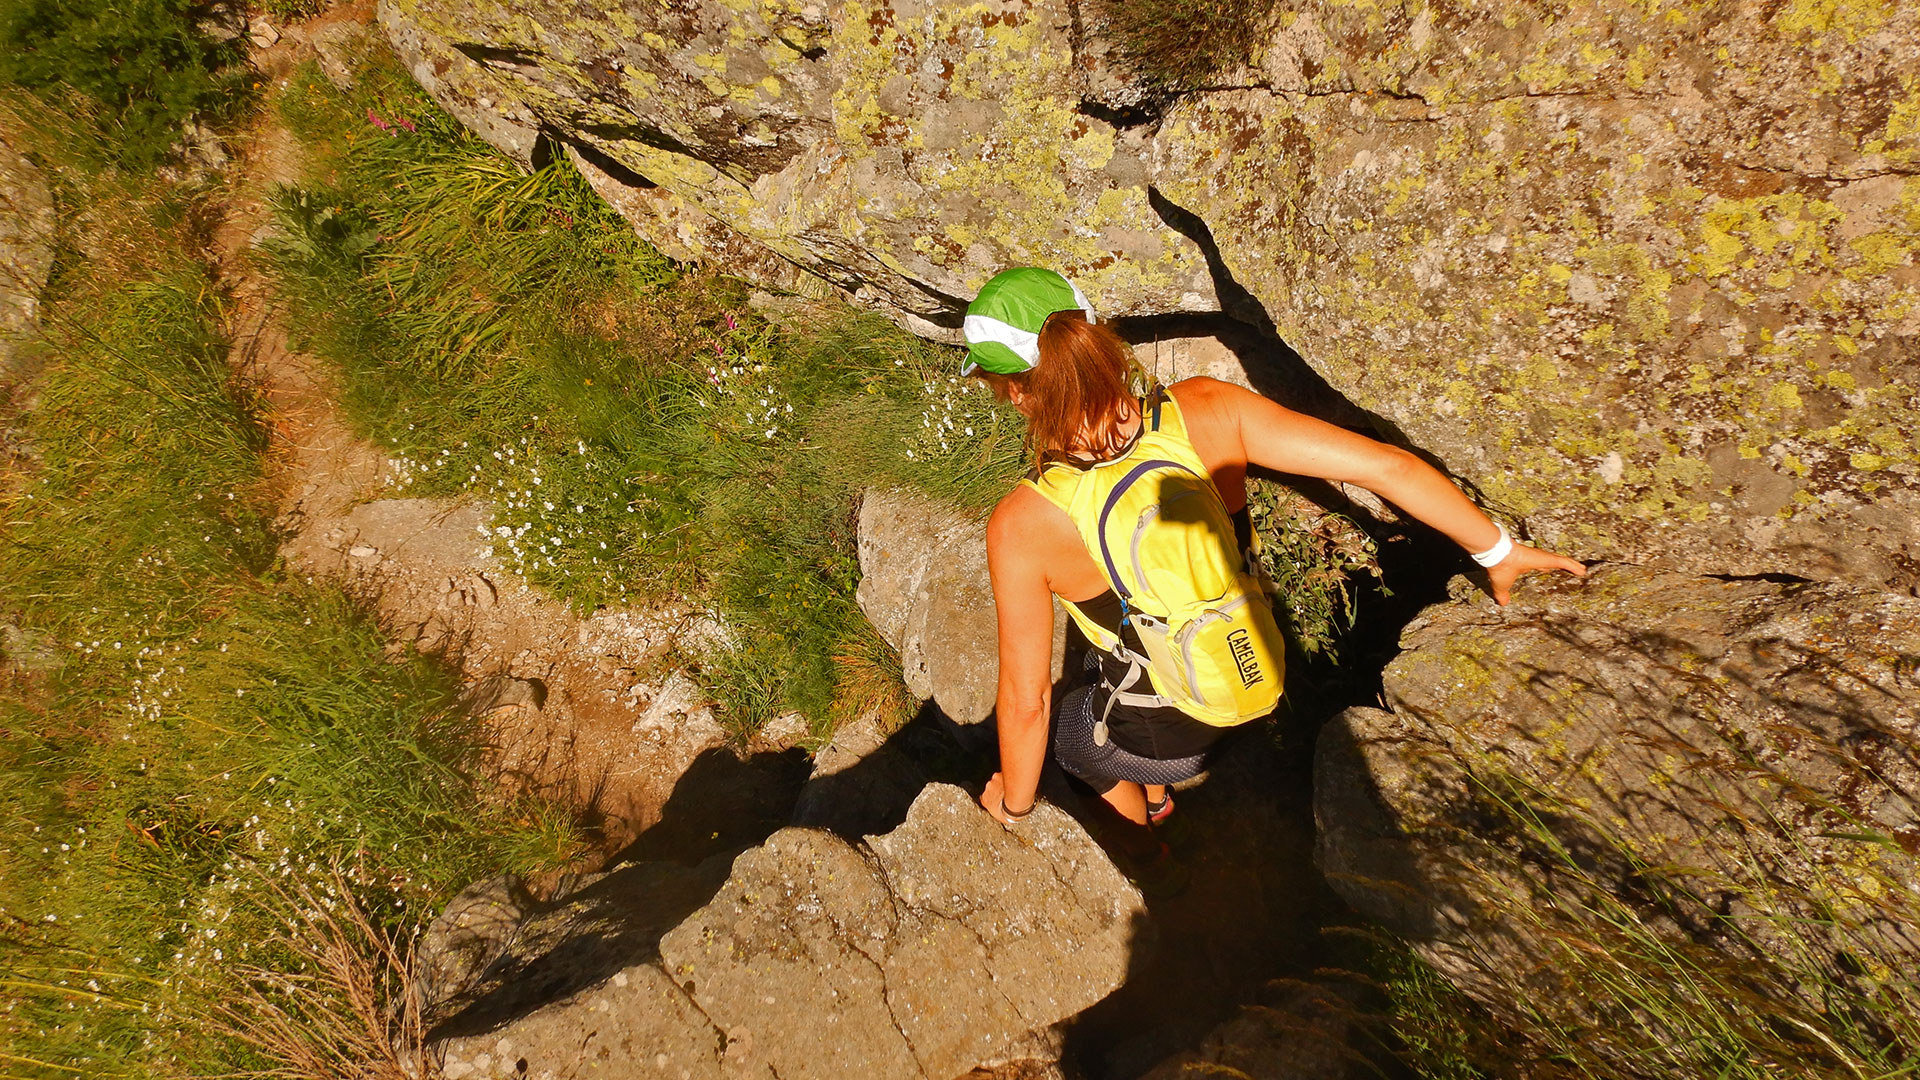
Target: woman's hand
1523 559
994 800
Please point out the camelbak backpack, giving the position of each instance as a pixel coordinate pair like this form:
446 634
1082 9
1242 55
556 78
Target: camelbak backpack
1202 622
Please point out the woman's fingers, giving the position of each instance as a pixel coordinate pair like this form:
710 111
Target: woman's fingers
1521 560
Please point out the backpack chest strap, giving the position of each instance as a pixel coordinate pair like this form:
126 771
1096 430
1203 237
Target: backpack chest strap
1122 693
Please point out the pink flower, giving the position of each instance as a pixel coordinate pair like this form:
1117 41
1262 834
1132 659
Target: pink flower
729 320
374 119
405 123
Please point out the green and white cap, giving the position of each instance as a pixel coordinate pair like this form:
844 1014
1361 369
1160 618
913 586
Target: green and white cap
1003 322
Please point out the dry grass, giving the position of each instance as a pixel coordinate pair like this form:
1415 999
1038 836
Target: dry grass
867 682
1185 44
342 1004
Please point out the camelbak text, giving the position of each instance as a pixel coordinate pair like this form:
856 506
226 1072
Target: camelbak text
1242 646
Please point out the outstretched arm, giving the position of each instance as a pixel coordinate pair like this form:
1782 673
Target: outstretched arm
1275 437
1024 606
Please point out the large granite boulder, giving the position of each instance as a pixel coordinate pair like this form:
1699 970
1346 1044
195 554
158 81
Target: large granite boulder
1641 273
903 152
924 586
949 943
1646 757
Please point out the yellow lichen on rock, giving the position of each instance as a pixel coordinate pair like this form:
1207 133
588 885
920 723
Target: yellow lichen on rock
1677 325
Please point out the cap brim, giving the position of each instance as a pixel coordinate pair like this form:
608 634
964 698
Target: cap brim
995 357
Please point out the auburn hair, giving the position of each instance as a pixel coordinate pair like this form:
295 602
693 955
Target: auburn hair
1079 394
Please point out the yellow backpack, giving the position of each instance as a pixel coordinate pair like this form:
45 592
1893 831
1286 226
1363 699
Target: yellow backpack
1155 525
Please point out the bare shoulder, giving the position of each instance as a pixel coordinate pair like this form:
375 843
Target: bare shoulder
1214 412
1202 390
1209 403
1015 516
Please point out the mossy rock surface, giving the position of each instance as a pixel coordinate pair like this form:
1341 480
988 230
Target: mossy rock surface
1642 273
1717 765
901 152
26 247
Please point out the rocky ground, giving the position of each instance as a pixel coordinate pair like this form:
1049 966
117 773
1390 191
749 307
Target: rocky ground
593 709
704 950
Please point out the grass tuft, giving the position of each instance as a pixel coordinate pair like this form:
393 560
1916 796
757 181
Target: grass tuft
1788 952
1186 44
344 1003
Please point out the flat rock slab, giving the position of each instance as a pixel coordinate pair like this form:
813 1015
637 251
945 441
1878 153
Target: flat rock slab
949 943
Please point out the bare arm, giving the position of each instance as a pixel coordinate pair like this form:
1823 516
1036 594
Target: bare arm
1024 606
1273 436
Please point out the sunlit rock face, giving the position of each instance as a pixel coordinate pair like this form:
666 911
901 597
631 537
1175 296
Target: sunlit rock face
901 152
1731 762
1641 274
948 943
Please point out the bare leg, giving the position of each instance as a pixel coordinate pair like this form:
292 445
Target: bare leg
1129 800
1156 793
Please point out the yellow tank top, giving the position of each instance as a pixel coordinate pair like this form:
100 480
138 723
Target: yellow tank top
1155 525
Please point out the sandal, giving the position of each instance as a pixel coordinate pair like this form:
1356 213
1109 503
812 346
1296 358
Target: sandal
1158 812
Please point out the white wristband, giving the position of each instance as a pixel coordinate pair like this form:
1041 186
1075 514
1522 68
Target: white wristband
1492 556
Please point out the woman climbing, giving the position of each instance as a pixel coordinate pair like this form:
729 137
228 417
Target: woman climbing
1135 516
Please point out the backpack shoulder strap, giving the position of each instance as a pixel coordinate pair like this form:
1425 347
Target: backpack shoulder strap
1113 499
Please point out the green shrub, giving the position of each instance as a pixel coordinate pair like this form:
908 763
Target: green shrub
293 10
141 67
1309 554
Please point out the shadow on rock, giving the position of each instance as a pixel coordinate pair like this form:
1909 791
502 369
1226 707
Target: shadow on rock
866 780
1250 912
722 804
